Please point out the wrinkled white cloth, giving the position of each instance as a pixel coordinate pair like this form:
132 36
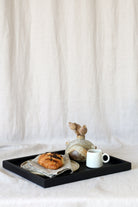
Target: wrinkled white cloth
64 61
34 167
119 189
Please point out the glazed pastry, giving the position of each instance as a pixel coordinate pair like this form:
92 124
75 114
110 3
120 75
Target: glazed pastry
51 160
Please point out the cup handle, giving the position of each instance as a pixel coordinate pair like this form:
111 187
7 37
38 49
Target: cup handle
107 157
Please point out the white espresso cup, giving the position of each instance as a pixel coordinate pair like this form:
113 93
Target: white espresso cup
95 158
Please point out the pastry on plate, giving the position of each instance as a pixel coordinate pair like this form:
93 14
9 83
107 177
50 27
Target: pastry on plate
51 160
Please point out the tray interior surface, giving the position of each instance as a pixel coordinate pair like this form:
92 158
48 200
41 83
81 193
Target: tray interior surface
113 166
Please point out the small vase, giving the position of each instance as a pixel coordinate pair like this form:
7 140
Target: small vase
77 149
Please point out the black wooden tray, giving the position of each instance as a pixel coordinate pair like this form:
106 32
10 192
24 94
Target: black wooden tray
115 165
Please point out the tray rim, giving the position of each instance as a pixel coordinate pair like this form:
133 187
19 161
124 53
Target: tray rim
45 182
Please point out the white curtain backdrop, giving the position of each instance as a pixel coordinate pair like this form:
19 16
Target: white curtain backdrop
64 61
61 61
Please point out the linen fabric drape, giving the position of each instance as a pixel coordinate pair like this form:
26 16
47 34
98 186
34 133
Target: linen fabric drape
66 61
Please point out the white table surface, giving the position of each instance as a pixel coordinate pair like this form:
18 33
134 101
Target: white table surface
119 189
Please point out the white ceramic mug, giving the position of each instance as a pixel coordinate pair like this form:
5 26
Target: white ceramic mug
95 158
